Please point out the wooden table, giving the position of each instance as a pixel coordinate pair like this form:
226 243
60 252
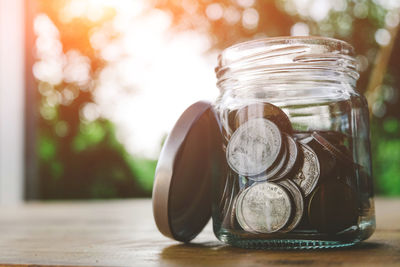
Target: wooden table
123 233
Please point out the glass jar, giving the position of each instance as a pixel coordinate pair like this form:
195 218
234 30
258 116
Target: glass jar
297 172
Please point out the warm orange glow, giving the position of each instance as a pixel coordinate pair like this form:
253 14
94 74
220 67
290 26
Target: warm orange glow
142 74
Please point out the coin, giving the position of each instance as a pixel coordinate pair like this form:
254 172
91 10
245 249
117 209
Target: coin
238 216
333 207
267 111
254 147
306 140
336 137
298 136
270 173
308 175
293 158
264 208
331 148
328 163
298 204
233 216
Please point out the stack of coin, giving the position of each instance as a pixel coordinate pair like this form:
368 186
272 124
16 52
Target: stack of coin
286 177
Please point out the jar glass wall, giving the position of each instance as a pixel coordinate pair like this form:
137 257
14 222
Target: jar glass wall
296 144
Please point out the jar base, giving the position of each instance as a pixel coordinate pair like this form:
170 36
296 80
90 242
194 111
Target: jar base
287 244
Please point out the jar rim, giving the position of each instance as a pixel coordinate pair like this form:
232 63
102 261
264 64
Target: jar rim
269 57
243 49
294 39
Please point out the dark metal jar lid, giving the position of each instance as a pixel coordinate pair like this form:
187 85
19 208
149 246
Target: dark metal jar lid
182 186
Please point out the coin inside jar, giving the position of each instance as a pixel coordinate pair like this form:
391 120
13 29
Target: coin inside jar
264 208
237 216
328 162
267 111
254 147
298 136
292 158
298 204
270 173
335 137
333 207
308 175
331 148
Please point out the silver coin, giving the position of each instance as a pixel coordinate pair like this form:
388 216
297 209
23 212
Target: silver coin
254 147
239 215
308 175
306 140
232 216
270 173
263 208
292 158
299 136
298 204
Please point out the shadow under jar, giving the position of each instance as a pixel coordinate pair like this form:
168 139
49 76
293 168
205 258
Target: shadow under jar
296 141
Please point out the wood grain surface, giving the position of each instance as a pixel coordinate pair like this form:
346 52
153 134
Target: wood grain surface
123 233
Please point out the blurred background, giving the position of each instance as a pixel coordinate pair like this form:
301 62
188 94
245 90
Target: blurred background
106 80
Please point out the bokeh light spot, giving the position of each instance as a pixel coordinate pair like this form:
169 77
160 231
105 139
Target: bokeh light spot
319 9
362 63
390 94
300 29
379 109
90 112
246 3
339 5
232 15
77 68
250 18
54 99
61 128
391 125
392 18
360 10
45 89
382 37
47 112
214 11
42 25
